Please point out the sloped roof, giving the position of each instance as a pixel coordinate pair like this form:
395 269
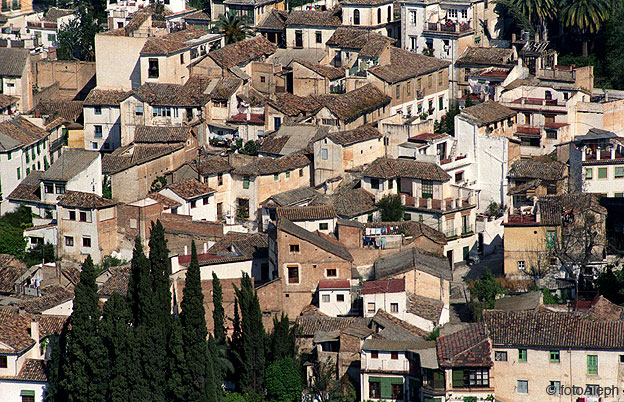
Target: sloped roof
234 244
487 56
273 20
165 201
54 13
192 93
78 199
51 296
552 208
71 162
68 110
524 301
404 65
12 61
161 134
345 138
329 72
487 113
353 104
557 330
191 189
213 164
265 165
334 284
225 88
292 197
413 259
117 282
389 345
310 325
313 18
310 212
29 189
135 154
412 228
537 168
291 138
242 52
20 131
105 97
391 327
7 100
425 307
319 241
383 286
386 168
349 203
33 370
293 105
10 270
468 347
356 38
174 41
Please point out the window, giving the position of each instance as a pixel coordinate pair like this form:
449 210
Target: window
592 364
19 176
464 13
49 188
430 82
394 355
324 154
459 177
98 110
98 131
356 17
589 173
413 17
83 216
554 387
152 70
246 182
618 172
374 354
300 172
293 274
319 37
500 356
138 110
323 226
276 177
471 378
288 174
9 155
521 265
523 387
331 272
277 122
94 145
27 157
339 298
408 88
325 298
72 215
60 189
398 91
390 184
27 396
375 184
441 103
551 238
294 248
262 79
389 13
370 308
554 356
205 201
193 203
220 179
27 171
452 13
374 388
397 392
427 189
522 355
602 173
621 359
86 242
593 390
394 307
69 241
4 362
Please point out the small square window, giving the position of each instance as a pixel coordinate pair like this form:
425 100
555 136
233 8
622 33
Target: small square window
602 173
60 189
522 355
324 155
72 215
339 298
300 172
193 203
288 174
94 145
331 272
374 354
294 248
394 355
370 307
69 241
621 359
523 387
500 356
375 184
205 200
276 177
521 265
554 356
138 110
589 173
49 188
98 109
98 131
619 172
323 226
319 37
86 242
4 362
394 307
293 274
83 216
325 298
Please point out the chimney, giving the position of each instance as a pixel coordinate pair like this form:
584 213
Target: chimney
34 330
248 113
185 250
205 247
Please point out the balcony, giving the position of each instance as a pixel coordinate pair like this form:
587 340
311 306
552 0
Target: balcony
467 230
449 27
386 365
602 155
537 104
448 204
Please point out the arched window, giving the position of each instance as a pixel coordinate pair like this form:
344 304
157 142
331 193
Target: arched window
379 15
356 17
389 13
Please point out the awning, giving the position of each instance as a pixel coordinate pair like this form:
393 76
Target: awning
27 392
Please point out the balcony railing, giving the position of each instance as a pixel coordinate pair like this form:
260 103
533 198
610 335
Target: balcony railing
467 230
450 233
449 27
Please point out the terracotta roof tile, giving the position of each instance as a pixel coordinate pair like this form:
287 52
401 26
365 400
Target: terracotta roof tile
395 328
413 259
486 56
103 97
345 138
349 203
78 199
353 104
172 42
71 162
334 284
292 197
310 325
14 329
383 286
553 208
12 61
67 109
235 244
51 296
329 72
425 307
274 20
165 201
487 113
135 154
537 168
22 130
311 212
7 100
242 52
266 166
29 189
404 65
191 189
386 168
161 134
313 18
333 247
355 38
192 93
33 370
293 105
11 269
117 283
468 347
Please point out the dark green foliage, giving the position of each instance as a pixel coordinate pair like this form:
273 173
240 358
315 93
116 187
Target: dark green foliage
77 37
483 293
391 208
250 148
159 264
433 335
468 101
614 62
12 225
283 381
159 183
218 314
54 391
177 363
447 122
39 253
327 387
85 366
296 3
550 298
232 27
282 340
235 345
139 285
198 372
253 339
610 284
117 337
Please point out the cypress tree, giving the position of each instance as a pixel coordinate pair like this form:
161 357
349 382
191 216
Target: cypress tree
54 392
253 340
116 336
177 363
218 314
84 368
139 285
282 342
159 263
198 376
235 346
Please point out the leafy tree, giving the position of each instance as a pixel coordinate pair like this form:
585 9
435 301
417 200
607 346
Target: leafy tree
54 391
40 253
326 387
587 16
158 184
391 208
221 364
250 148
433 335
282 340
218 314
77 37
159 265
232 27
12 226
468 102
85 366
117 337
614 38
283 381
447 122
253 339
483 292
610 284
198 366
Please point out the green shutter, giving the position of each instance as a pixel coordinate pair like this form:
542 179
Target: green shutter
396 380
374 379
458 378
592 364
27 392
551 239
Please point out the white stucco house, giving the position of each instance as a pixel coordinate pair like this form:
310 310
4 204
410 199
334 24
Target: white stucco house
334 297
196 199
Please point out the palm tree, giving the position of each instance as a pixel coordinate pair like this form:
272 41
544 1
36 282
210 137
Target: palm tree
537 11
587 16
232 27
